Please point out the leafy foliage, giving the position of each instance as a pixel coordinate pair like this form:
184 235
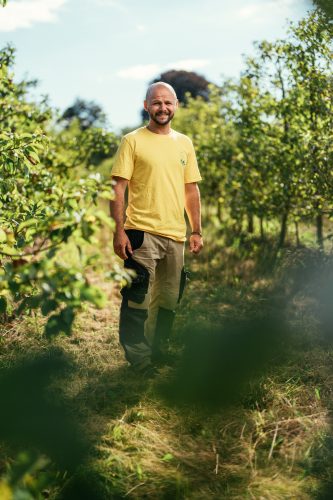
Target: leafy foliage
265 141
88 114
326 6
49 195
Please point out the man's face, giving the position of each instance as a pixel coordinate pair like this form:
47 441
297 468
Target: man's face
161 105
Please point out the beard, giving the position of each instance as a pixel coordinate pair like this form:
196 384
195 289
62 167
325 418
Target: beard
162 118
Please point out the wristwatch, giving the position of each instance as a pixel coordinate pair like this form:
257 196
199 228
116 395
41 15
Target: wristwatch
197 232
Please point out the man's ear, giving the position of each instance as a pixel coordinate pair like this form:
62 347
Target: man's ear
145 105
177 104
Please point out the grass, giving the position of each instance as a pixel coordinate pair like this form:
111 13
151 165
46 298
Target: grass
271 442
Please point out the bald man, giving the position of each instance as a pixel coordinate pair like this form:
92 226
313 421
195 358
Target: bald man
158 166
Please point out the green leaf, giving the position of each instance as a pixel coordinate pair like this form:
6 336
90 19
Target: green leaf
21 241
7 250
14 287
103 217
87 230
94 295
27 223
3 305
51 253
33 158
3 236
106 195
72 203
168 457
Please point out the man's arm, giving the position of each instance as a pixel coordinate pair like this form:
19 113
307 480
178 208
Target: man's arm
193 210
121 242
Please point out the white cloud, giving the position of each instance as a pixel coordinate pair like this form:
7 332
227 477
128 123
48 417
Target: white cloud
146 71
262 10
24 14
111 3
140 27
250 11
188 64
116 4
139 72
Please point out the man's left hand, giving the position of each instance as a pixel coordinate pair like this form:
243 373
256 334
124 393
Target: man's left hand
196 243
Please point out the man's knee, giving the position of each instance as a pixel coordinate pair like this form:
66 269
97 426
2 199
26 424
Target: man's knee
171 296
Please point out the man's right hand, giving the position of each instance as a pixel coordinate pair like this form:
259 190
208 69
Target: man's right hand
122 245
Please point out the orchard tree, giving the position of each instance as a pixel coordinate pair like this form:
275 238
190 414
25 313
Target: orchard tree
87 113
297 72
48 198
250 182
283 157
310 63
326 6
264 143
86 148
282 110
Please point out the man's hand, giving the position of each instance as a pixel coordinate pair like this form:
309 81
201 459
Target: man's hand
122 245
196 243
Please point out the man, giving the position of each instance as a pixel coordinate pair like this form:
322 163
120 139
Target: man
159 168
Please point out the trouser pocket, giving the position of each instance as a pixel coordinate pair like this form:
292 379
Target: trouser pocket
136 238
137 290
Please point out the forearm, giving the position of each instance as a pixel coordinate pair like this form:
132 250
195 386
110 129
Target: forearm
193 206
117 206
121 243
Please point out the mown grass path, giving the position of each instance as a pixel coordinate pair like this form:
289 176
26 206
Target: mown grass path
269 443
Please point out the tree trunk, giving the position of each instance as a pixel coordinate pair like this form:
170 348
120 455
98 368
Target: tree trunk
320 235
283 230
250 224
298 241
219 210
262 232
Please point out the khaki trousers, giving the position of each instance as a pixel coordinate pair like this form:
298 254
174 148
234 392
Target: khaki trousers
149 303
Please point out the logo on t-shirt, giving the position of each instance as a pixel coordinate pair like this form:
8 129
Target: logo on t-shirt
183 158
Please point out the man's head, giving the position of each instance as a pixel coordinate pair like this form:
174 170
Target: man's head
161 103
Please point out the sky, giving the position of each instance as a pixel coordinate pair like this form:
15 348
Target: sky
108 50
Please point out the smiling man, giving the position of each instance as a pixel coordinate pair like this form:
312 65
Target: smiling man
158 166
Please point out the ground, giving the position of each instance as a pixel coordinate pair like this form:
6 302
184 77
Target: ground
239 432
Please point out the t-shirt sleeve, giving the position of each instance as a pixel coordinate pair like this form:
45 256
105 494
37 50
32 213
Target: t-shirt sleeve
192 173
124 160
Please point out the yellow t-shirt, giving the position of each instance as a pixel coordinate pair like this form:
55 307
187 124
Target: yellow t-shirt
157 167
